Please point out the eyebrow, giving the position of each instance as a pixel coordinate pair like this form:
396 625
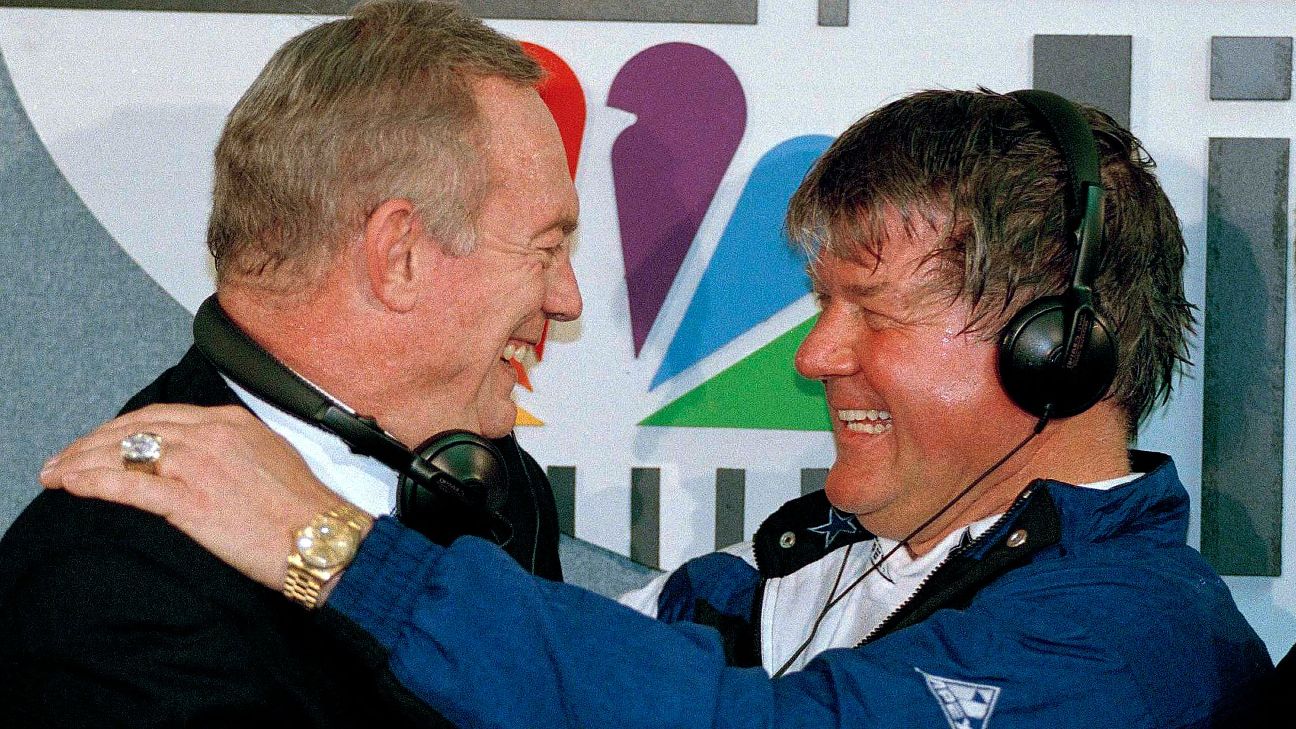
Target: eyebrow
863 291
856 290
567 224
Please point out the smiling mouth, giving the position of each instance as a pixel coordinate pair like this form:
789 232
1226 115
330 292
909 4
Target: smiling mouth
873 422
524 353
521 355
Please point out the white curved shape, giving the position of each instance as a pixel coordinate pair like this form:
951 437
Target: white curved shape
129 105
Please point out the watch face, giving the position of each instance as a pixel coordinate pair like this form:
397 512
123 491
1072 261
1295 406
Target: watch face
326 542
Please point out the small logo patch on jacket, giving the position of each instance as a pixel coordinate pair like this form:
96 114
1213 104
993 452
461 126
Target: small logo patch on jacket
966 705
838 523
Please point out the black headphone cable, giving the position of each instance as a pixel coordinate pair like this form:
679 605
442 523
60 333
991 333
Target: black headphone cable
834 598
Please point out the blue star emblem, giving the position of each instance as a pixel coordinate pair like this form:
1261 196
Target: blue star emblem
837 524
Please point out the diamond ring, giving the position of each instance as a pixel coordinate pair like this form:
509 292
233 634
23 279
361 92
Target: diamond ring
141 452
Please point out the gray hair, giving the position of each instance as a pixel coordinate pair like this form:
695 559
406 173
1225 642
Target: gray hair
376 106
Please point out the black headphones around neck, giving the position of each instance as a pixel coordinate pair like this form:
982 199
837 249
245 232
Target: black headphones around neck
1057 356
453 484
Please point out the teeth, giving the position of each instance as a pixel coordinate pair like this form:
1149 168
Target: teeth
523 353
870 428
854 415
873 422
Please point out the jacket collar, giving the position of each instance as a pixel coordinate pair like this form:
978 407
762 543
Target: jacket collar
1155 504
806 529
802 531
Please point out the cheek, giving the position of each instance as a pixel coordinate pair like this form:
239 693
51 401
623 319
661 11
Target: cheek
955 374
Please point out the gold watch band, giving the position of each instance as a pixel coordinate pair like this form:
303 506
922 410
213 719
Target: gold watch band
301 586
302 583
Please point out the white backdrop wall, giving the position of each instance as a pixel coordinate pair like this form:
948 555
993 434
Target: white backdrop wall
129 105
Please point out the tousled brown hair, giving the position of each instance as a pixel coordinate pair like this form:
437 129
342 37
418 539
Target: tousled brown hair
973 165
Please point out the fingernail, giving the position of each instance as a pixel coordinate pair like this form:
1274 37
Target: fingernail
49 466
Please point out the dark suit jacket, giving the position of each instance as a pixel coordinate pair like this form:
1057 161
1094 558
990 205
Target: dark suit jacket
111 617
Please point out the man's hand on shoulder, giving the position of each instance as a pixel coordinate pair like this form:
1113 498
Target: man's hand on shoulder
223 478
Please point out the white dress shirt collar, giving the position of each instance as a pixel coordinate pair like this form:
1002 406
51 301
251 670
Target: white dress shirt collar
361 480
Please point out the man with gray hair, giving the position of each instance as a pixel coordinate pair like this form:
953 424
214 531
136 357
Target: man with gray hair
390 227
1000 284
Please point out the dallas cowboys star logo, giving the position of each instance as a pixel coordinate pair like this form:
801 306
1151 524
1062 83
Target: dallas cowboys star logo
837 524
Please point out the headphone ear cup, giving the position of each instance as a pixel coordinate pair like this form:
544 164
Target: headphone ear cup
475 463
1030 366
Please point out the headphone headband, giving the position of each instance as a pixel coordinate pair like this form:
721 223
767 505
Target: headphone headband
1057 357
240 358
1074 138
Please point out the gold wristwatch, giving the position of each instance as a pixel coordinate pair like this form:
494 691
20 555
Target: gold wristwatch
321 550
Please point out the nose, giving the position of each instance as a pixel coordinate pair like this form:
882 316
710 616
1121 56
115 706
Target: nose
826 351
563 297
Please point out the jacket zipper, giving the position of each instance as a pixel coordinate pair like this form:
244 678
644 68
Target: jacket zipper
1010 513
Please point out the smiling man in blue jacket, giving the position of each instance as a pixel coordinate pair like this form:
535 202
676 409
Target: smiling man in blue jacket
1000 278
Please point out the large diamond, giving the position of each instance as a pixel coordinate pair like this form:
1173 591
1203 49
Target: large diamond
141 448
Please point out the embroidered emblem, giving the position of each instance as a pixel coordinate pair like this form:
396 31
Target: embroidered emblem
837 524
966 705
875 560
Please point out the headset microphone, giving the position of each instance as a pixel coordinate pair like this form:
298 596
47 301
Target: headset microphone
453 484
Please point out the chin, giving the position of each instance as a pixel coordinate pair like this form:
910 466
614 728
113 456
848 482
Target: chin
498 425
850 493
492 432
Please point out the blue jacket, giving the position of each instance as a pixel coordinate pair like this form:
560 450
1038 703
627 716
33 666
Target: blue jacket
1106 618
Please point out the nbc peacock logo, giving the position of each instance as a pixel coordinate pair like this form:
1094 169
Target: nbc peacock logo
697 119
667 167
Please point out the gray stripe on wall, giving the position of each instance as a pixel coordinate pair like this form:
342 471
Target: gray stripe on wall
1089 69
731 498
834 13
563 481
1251 68
812 479
84 327
741 12
1246 302
285 7
645 516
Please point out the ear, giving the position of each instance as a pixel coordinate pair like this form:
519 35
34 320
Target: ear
391 246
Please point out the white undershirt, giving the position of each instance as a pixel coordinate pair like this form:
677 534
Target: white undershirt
361 480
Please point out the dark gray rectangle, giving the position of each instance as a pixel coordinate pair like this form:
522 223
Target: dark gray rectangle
1245 343
738 12
1089 69
645 516
731 506
812 479
284 7
834 13
562 479
1255 68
